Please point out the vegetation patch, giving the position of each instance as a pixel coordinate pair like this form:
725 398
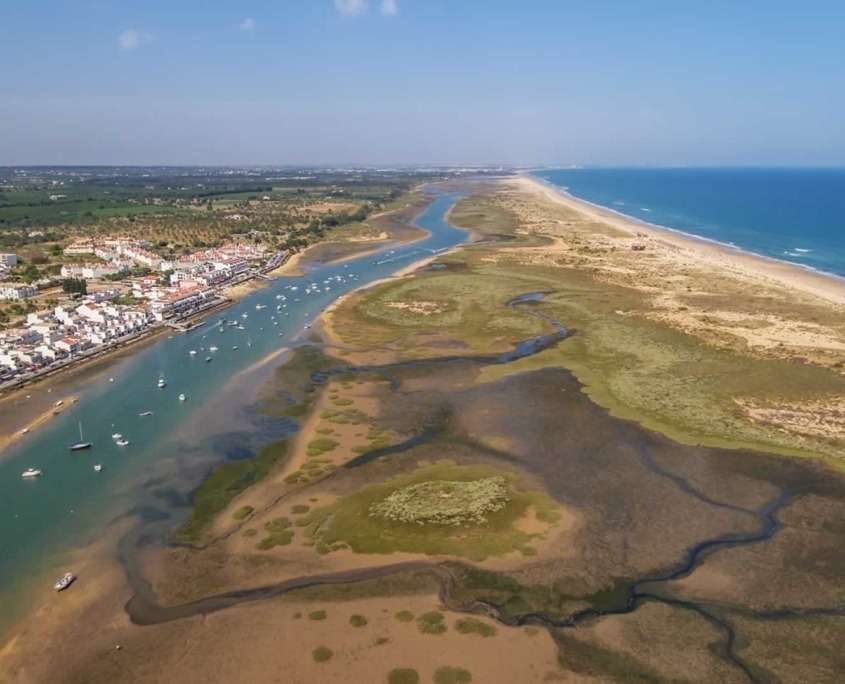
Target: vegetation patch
223 485
441 508
452 675
321 654
404 616
357 621
279 533
445 502
431 622
243 513
299 509
474 626
317 615
320 445
403 675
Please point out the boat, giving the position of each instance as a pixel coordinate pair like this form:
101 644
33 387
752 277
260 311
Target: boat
244 315
182 397
235 348
144 414
64 581
208 359
60 402
212 349
258 307
31 472
122 442
97 468
81 444
162 383
116 436
111 379
193 352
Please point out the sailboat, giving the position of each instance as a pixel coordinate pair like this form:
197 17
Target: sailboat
81 444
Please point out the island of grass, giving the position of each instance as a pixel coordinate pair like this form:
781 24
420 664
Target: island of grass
444 508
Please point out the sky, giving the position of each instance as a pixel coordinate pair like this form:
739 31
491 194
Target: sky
382 82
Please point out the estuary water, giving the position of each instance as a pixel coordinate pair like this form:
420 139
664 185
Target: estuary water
44 521
795 215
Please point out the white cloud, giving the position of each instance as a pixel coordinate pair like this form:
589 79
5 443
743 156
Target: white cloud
389 7
131 39
350 7
247 24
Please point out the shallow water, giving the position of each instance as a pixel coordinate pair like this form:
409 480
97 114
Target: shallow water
43 520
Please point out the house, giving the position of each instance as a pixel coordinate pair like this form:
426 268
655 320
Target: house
8 259
17 291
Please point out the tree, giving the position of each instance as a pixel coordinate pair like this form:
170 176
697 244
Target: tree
75 285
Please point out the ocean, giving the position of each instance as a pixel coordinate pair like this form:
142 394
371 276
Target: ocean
796 215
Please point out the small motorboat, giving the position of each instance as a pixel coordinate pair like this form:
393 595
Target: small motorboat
116 436
97 468
208 359
122 442
144 414
212 349
31 472
111 379
162 383
193 352
64 581
182 397
235 348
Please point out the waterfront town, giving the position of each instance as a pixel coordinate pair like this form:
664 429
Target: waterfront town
122 291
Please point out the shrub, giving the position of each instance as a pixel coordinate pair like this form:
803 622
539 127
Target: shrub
431 623
473 626
357 621
404 616
243 512
321 654
452 675
317 615
403 675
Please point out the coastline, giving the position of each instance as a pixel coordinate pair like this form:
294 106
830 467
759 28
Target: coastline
828 286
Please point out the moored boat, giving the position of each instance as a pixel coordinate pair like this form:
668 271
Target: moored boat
64 581
31 472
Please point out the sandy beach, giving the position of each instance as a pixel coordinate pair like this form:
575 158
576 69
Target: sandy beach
707 252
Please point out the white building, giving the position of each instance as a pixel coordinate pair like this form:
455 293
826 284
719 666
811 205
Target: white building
17 291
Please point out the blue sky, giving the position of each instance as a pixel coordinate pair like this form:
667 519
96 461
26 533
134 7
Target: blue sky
422 81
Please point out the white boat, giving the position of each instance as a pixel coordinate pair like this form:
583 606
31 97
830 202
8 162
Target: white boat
81 444
212 349
111 379
162 383
31 472
258 307
64 581
235 348
182 397
208 359
98 468
144 414
193 352
122 442
244 315
116 436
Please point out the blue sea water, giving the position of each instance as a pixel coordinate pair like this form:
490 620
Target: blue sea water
795 215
